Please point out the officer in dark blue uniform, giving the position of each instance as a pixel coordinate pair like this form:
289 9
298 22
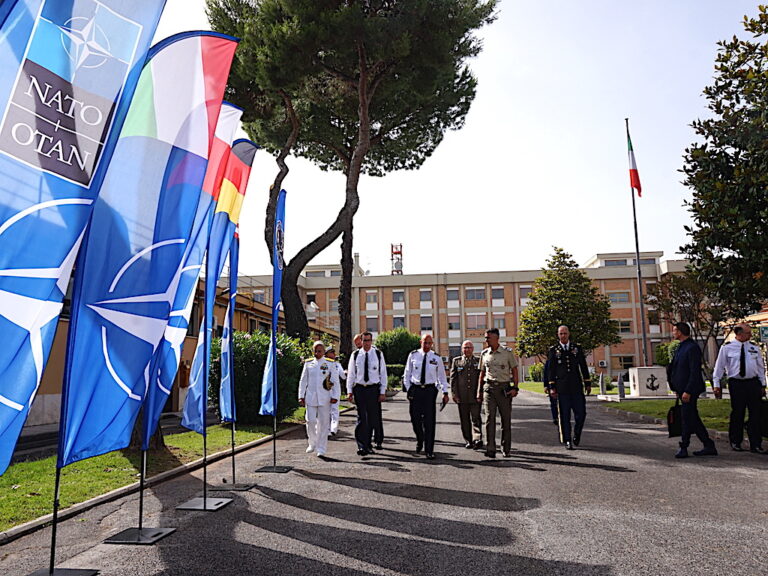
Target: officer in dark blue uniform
685 379
568 379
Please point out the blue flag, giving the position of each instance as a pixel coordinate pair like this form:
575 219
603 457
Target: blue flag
227 389
269 380
225 220
165 363
69 70
133 259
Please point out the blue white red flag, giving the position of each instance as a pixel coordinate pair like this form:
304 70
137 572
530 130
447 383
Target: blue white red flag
269 380
165 363
69 70
225 219
131 262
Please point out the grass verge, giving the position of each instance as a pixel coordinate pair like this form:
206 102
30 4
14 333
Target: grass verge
26 488
714 413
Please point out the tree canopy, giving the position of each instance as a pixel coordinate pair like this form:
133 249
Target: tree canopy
397 344
563 294
727 170
359 87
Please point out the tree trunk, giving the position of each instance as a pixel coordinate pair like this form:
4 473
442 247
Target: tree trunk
296 324
345 293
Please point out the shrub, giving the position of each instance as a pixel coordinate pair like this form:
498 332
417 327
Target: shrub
250 353
397 344
665 351
396 370
536 372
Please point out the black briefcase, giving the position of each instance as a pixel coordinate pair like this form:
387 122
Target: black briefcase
675 420
764 418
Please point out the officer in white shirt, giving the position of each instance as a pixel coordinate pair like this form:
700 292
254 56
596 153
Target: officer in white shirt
330 353
366 387
424 376
318 389
742 362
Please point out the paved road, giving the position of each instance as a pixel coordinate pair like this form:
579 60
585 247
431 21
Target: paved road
619 505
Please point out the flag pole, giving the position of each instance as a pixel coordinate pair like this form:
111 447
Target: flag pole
639 271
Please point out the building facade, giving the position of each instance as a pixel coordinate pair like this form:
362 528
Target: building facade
453 307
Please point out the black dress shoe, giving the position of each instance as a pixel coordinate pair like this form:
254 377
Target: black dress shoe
430 456
478 445
419 447
378 446
736 447
568 445
758 450
507 454
469 445
362 452
682 453
706 451
576 439
490 454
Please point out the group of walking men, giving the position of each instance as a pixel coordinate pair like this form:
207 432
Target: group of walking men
490 381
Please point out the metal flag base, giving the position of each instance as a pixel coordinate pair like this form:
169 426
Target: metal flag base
65 572
231 487
207 504
140 536
275 469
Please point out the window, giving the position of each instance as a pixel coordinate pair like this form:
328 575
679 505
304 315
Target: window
525 291
311 298
335 273
259 296
398 321
371 297
616 262
426 323
252 325
454 322
334 304
644 261
623 362
499 321
476 322
372 323
452 294
618 297
653 317
425 295
398 296
497 293
474 294
454 351
625 326
265 327
316 274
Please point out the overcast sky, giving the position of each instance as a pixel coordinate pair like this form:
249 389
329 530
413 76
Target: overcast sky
542 159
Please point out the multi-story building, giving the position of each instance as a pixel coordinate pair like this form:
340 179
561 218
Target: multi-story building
453 307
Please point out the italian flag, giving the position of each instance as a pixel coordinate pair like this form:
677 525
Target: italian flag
634 175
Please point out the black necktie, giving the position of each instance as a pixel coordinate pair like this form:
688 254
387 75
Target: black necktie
365 368
424 370
742 363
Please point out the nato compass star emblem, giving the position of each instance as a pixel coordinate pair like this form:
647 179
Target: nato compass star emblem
86 44
150 329
33 314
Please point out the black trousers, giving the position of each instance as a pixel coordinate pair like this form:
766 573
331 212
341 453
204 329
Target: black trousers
378 431
568 403
368 414
692 424
553 408
745 395
424 415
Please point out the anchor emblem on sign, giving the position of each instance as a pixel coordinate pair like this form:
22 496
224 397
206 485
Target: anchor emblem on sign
650 383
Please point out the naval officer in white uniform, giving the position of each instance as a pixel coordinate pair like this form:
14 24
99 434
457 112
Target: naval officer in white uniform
318 389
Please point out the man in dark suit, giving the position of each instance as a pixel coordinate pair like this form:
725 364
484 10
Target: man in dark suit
567 380
685 379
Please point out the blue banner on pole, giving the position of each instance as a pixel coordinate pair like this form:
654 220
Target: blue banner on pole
269 380
69 71
227 390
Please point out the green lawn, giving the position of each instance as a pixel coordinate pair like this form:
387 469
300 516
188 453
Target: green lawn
714 413
26 488
538 387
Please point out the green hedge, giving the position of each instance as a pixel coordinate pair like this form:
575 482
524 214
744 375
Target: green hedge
536 372
250 353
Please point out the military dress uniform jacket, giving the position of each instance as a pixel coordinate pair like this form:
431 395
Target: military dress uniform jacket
567 369
463 378
316 376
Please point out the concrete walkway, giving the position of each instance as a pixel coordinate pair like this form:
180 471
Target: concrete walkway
619 505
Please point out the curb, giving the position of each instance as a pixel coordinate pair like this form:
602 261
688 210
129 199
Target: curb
635 417
34 525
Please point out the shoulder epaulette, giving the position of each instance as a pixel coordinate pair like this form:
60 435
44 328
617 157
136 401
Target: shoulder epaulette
308 360
329 359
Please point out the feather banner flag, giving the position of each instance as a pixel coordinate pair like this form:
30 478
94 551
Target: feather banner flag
269 380
165 363
225 219
69 70
131 262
